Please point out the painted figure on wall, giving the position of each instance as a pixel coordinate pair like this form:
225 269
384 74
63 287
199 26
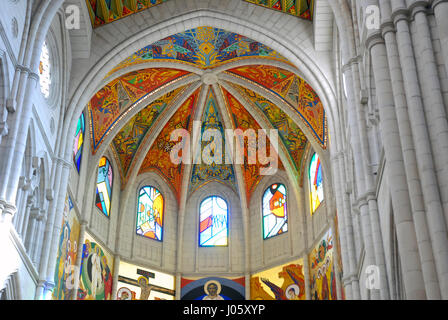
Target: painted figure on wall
322 271
143 284
95 274
213 288
286 282
67 252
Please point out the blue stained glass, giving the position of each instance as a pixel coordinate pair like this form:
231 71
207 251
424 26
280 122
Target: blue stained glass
213 222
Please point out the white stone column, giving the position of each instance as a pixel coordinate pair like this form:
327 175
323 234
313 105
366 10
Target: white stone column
413 175
336 259
178 284
54 220
117 260
435 111
420 132
40 233
337 185
440 8
24 225
306 274
30 236
407 238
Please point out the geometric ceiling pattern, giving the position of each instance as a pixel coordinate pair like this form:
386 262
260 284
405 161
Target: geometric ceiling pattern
293 90
105 11
132 134
299 8
203 47
290 133
116 98
158 158
243 120
207 171
102 12
135 140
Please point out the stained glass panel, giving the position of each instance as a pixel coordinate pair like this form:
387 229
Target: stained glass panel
104 186
44 71
213 222
315 181
79 141
275 215
150 213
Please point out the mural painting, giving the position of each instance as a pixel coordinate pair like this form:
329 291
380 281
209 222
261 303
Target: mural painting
136 283
322 271
95 280
67 252
213 288
285 282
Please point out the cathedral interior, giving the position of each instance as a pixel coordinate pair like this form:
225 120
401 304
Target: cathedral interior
224 150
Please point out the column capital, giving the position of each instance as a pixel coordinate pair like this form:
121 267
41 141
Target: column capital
435 3
386 27
374 39
400 14
417 7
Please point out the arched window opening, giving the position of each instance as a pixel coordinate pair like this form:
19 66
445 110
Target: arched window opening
104 186
150 213
275 215
79 142
45 71
316 183
213 222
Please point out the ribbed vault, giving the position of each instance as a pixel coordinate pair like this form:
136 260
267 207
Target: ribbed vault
223 81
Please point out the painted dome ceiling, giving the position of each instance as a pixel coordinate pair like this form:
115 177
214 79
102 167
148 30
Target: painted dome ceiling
102 12
210 77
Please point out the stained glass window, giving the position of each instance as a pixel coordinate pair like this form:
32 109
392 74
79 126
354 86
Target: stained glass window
213 222
275 215
150 213
104 186
45 71
316 183
79 141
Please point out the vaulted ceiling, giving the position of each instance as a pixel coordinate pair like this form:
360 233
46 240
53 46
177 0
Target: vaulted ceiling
106 11
251 87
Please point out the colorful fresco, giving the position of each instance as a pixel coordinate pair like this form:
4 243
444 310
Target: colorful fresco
213 222
205 171
102 12
67 252
158 158
294 91
128 140
203 47
299 8
95 281
286 282
322 271
274 209
137 283
213 288
244 121
150 213
110 103
315 183
293 138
